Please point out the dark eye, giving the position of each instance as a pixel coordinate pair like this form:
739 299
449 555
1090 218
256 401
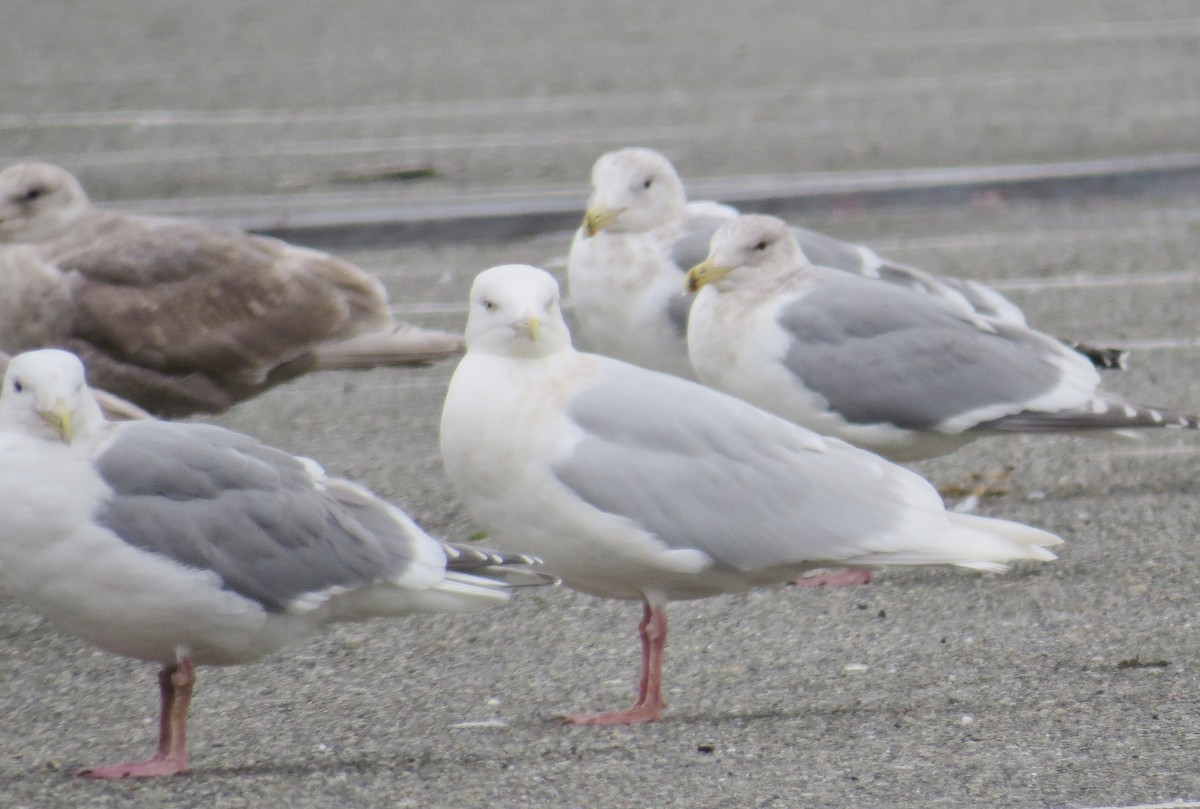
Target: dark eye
33 193
490 305
763 245
17 386
649 182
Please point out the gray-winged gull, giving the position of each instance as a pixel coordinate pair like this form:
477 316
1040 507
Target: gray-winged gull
188 544
640 235
639 485
904 374
181 316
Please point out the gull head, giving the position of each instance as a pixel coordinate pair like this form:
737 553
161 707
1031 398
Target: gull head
514 311
745 249
38 201
633 190
45 393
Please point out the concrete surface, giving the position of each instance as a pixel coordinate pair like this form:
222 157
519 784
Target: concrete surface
1070 684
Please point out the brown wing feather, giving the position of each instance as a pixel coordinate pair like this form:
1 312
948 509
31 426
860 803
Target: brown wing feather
180 296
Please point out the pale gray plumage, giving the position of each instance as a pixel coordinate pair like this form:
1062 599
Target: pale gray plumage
635 484
182 316
217 500
188 544
899 372
640 236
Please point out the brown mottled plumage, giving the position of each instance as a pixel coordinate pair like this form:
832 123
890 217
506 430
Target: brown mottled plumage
182 316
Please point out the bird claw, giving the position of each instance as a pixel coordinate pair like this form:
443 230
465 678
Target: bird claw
846 577
630 716
151 768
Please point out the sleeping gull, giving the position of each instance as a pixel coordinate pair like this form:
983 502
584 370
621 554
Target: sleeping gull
180 316
187 544
639 485
640 235
906 375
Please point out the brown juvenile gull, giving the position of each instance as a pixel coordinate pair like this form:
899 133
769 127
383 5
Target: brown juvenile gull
638 485
181 316
640 235
188 544
903 374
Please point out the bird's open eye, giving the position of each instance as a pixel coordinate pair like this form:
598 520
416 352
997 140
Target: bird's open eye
763 245
649 182
33 193
489 304
17 386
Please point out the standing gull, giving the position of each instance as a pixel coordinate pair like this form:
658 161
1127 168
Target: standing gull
188 544
638 485
903 374
180 316
640 235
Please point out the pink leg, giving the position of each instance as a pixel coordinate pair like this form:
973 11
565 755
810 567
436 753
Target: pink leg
649 705
845 577
175 687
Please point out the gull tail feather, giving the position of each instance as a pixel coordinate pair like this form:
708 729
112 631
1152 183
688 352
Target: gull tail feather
999 542
1101 413
979 543
399 344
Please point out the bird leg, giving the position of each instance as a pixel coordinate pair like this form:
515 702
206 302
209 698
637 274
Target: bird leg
175 688
649 705
845 577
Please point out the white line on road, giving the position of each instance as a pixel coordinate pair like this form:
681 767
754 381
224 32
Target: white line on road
1172 805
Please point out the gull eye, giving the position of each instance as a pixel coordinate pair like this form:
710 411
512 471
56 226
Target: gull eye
17 386
649 182
33 193
763 245
489 304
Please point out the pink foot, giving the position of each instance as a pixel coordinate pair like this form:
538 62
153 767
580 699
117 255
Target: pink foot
630 716
846 577
168 765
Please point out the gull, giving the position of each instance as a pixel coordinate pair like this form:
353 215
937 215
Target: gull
640 235
638 485
180 316
903 374
189 544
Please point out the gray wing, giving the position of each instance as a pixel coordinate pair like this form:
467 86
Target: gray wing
703 470
679 307
976 298
827 251
220 501
692 247
880 354
689 250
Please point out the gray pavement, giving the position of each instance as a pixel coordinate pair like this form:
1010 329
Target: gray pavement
1071 684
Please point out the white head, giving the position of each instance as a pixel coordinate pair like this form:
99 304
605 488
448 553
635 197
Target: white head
633 190
748 248
38 201
514 312
45 394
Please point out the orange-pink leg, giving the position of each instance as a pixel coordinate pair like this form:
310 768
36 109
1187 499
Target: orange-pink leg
846 577
649 705
175 688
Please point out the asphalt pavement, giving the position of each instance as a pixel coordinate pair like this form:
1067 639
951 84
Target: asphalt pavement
1068 684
